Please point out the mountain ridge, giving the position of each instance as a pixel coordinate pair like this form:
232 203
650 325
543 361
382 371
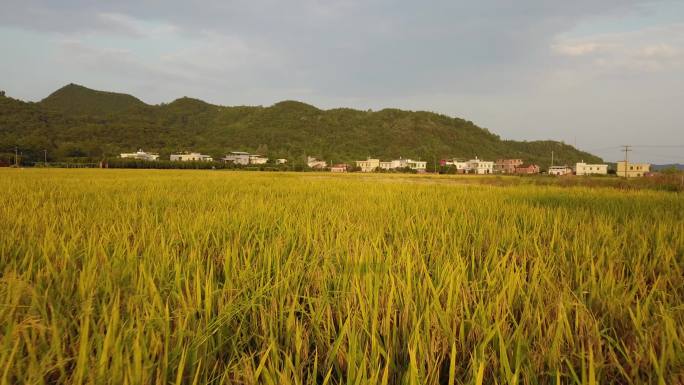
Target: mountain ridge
76 121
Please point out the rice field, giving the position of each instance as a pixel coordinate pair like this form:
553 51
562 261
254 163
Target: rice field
201 277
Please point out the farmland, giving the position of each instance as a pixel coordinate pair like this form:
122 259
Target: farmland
194 277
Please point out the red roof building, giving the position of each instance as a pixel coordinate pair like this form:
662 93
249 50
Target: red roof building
341 167
527 169
507 166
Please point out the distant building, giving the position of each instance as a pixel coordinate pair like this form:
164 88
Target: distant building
395 164
244 158
257 159
527 169
140 155
632 170
368 165
477 166
191 157
417 165
591 169
237 157
341 167
315 163
560 170
507 166
281 161
400 163
461 167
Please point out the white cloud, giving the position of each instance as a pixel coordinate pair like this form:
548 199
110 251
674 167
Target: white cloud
659 51
576 49
213 54
644 50
126 25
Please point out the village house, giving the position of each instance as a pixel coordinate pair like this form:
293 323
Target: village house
341 167
368 165
402 163
461 167
257 159
417 165
140 155
582 168
280 161
477 166
394 164
237 157
560 170
191 157
244 158
527 169
315 163
632 170
507 166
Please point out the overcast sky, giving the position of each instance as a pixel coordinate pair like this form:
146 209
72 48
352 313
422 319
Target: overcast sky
595 73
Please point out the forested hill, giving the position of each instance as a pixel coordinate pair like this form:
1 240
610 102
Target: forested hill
78 122
75 99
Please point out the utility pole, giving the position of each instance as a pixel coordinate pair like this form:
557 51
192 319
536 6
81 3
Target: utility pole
16 156
627 148
45 158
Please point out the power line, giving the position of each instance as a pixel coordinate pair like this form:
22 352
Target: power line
660 145
661 156
627 149
637 146
605 148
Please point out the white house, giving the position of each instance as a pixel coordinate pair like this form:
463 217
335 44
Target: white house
140 155
417 165
281 161
398 163
257 159
244 158
591 169
560 170
401 163
191 157
394 164
237 157
385 165
368 165
477 166
315 163
461 167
